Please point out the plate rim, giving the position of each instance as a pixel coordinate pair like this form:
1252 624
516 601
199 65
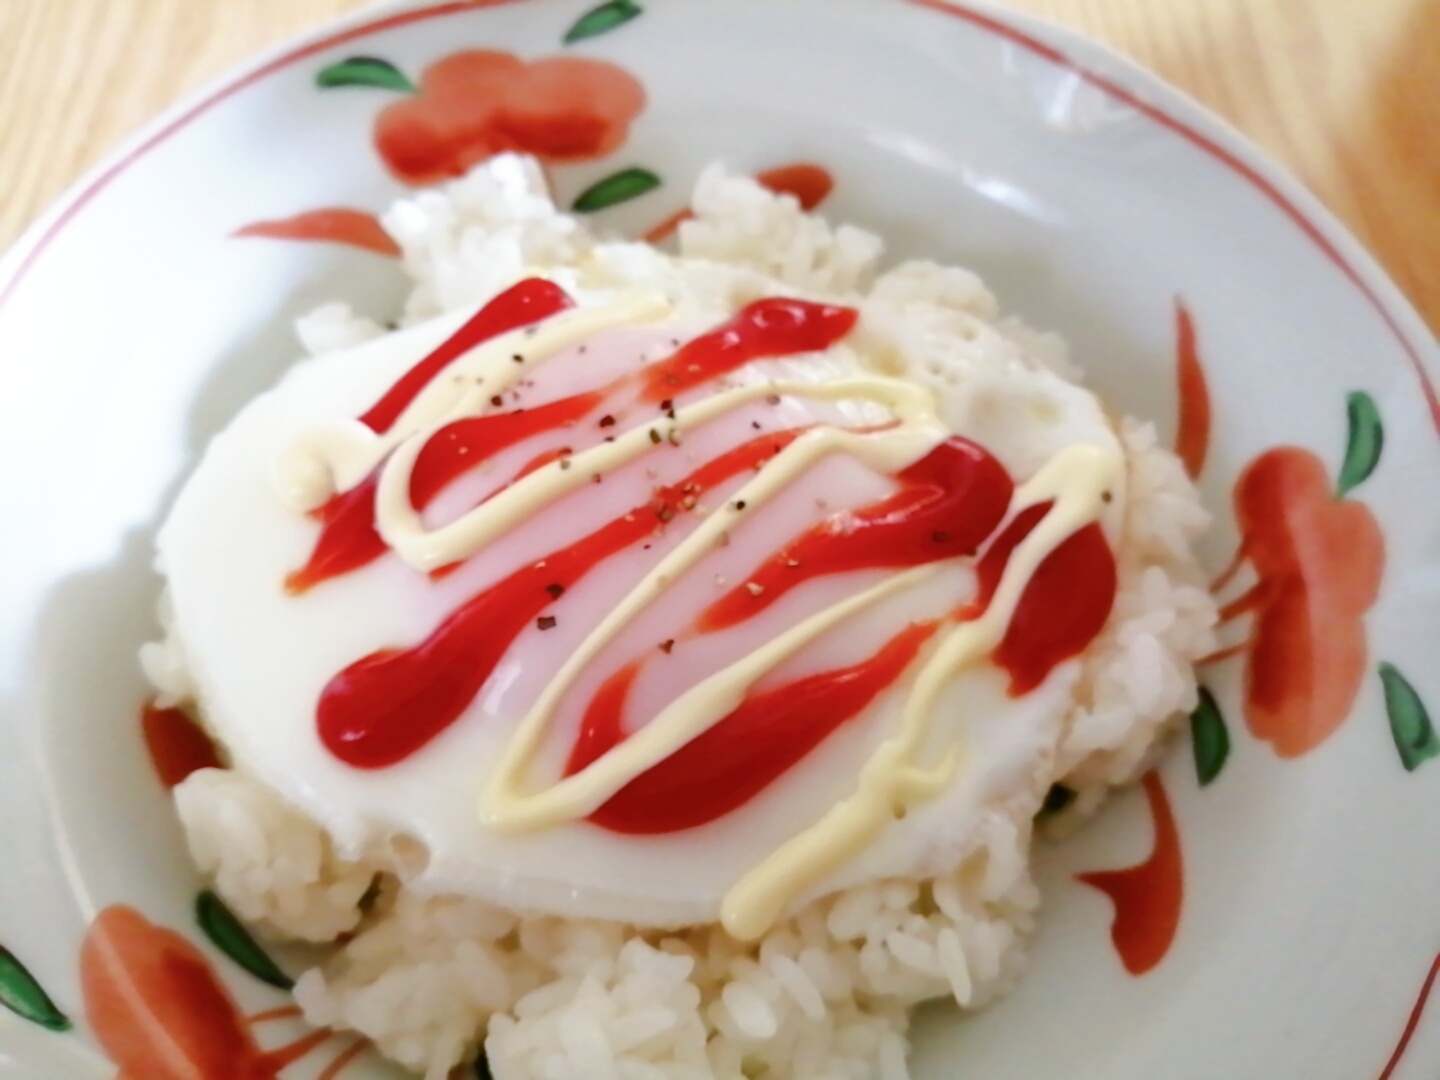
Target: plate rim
1098 64
1094 61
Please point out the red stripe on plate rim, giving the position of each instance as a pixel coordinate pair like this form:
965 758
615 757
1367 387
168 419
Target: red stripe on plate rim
986 22
1226 157
224 92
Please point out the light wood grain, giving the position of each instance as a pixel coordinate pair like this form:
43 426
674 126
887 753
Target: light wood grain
1344 92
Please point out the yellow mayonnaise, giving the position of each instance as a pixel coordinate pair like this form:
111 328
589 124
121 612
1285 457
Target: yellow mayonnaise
894 779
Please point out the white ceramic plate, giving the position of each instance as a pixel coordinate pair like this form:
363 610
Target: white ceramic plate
1097 201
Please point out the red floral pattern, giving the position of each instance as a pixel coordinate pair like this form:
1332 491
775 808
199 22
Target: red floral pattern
480 102
1148 896
1319 560
990 23
1192 439
332 224
160 1013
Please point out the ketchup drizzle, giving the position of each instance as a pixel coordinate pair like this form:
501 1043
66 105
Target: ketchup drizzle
770 327
522 304
745 752
348 538
1064 605
950 501
384 707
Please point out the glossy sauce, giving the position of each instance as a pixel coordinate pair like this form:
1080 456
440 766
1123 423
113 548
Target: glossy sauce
949 503
771 327
953 500
383 708
1064 605
349 538
521 305
725 767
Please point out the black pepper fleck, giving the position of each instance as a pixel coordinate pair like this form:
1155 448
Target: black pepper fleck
545 622
607 420
655 437
556 590
666 646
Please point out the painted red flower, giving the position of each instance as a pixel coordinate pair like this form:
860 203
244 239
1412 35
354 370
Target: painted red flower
1148 896
160 1013
480 102
1319 560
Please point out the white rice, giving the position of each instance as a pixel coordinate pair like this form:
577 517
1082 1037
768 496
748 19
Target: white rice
826 993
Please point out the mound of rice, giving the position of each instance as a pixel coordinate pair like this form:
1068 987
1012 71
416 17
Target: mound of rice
826 993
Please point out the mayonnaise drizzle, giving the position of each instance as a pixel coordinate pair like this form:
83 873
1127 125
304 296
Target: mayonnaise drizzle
505 806
337 456
893 781
400 525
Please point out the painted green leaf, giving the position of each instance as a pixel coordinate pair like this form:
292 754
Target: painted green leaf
1409 719
1363 444
603 19
620 187
1056 800
365 71
1209 737
22 995
230 937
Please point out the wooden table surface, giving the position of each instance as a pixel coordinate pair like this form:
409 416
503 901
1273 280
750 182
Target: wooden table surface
1345 92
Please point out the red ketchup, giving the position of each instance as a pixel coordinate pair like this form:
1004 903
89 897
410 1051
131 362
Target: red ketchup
383 708
348 538
386 706
745 752
773 327
1063 607
949 503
